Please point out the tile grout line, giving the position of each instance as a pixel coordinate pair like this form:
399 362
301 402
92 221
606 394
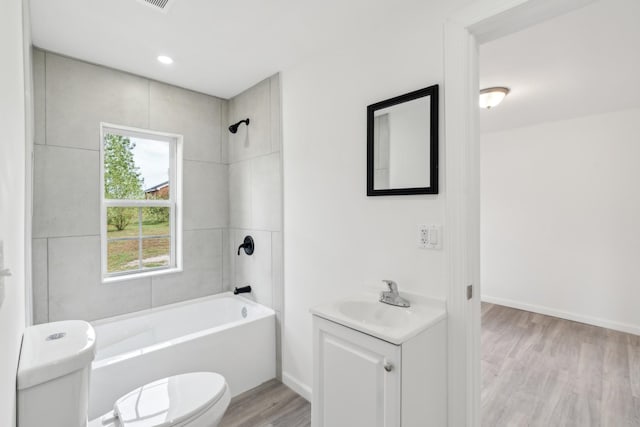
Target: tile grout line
98 235
48 281
44 66
222 258
148 104
151 290
71 148
251 216
248 159
204 161
270 116
45 138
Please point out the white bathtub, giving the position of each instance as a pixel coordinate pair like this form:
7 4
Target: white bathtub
223 333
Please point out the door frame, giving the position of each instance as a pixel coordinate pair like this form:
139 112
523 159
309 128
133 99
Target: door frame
478 23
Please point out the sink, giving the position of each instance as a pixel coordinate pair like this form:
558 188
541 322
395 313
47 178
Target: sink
396 325
376 313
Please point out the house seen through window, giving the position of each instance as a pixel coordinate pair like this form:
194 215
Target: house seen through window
139 201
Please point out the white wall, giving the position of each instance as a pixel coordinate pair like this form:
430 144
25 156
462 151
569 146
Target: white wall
337 240
12 200
561 218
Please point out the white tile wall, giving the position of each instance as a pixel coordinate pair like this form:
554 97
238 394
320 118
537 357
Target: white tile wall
66 189
266 193
254 270
255 196
202 274
240 194
40 281
194 115
255 193
253 140
222 202
205 195
226 261
66 192
224 132
75 288
276 113
277 271
80 95
38 93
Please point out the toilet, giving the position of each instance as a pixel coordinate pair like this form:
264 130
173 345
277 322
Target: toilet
53 386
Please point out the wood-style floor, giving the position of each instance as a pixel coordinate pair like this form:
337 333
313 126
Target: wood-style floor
536 371
271 404
544 371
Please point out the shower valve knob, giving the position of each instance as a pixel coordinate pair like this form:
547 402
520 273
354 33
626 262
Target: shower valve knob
247 245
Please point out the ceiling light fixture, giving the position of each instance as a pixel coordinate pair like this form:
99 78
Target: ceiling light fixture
165 60
492 96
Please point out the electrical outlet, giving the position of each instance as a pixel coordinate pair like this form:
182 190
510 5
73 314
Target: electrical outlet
430 236
423 236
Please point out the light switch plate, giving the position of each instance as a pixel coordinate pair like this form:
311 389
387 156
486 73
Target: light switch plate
2 276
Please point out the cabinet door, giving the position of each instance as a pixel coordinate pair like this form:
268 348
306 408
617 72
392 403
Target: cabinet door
356 378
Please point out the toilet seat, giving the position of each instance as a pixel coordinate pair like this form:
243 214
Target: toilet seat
171 401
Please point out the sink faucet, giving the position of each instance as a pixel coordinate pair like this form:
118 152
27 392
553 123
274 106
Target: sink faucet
392 297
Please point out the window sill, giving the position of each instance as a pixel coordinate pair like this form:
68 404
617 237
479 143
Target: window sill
134 276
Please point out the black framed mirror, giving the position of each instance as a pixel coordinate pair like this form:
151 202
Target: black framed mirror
402 144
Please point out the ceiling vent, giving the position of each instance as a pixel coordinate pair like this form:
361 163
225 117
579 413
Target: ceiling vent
159 5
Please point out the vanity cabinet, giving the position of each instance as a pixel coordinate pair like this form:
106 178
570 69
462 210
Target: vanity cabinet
364 381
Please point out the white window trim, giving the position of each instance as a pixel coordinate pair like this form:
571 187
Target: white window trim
174 202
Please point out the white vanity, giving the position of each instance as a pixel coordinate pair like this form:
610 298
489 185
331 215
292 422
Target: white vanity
377 365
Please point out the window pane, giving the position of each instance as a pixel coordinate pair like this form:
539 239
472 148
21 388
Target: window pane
135 168
156 252
153 160
122 222
122 255
155 221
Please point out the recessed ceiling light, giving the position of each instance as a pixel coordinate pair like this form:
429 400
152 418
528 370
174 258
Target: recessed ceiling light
165 60
492 96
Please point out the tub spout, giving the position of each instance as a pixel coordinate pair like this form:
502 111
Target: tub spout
242 290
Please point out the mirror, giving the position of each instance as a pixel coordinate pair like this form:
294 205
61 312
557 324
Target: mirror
402 144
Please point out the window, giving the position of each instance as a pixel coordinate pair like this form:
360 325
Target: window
140 209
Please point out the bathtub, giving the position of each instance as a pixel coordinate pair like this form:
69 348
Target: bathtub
222 333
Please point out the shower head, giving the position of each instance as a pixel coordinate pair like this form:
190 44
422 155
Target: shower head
234 128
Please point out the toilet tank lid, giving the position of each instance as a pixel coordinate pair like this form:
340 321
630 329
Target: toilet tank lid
52 350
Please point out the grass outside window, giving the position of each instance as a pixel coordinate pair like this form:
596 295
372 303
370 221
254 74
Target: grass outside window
140 245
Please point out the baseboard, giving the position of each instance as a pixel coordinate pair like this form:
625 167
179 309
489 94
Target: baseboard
296 385
595 321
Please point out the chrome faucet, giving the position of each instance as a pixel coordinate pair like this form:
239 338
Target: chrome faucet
392 297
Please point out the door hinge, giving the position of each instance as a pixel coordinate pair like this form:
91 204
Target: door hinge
469 292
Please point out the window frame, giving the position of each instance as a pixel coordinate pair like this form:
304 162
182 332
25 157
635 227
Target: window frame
174 203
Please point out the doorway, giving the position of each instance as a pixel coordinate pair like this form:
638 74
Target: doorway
560 323
479 23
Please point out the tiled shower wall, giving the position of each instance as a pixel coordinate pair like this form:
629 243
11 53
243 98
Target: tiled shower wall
231 187
255 195
72 98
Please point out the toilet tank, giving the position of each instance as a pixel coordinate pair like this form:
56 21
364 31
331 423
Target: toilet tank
53 374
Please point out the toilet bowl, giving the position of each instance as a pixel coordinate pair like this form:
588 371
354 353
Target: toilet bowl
53 387
197 399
